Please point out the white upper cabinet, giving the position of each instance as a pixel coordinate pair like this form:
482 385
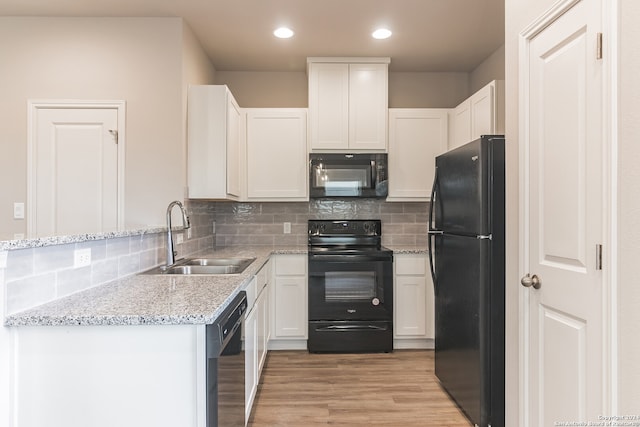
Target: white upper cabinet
481 114
276 151
214 125
416 137
348 100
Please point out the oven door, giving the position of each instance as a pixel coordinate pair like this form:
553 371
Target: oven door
350 287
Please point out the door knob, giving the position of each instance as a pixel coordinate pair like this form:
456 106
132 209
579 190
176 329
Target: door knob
531 281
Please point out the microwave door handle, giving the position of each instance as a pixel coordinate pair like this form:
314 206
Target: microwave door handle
373 174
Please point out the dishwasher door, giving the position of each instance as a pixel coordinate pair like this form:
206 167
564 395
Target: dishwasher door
226 367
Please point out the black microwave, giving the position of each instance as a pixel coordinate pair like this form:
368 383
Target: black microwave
348 175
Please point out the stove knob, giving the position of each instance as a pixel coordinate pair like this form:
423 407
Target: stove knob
369 228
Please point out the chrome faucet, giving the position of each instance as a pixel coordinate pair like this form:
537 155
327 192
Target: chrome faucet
171 253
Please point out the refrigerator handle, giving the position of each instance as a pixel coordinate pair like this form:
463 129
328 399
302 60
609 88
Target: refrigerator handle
433 199
432 232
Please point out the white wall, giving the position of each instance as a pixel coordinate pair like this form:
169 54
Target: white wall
138 60
492 68
148 62
629 210
290 89
427 90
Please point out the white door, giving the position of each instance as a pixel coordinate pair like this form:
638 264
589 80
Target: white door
563 221
74 170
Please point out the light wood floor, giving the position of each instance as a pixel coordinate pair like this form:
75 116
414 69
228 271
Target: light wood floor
356 390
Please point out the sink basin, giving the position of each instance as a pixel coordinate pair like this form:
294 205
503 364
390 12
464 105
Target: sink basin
241 263
200 266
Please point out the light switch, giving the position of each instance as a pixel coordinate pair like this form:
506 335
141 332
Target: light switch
18 210
287 228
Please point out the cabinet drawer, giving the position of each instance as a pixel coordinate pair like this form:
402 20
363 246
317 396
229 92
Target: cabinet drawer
411 264
291 265
263 276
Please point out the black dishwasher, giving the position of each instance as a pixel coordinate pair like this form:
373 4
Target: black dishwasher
225 366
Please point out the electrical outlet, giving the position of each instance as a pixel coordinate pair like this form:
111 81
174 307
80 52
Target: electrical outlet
287 228
179 238
81 257
18 210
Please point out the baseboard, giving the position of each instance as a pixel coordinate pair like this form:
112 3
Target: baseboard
287 344
414 343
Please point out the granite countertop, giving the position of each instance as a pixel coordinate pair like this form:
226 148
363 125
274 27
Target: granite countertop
157 299
152 299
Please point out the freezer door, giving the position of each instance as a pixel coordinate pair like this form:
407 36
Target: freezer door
460 308
463 188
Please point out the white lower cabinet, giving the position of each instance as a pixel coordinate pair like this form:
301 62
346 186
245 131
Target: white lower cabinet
251 358
105 376
413 324
289 304
256 333
264 315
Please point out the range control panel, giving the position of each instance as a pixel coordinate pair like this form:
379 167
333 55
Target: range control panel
350 227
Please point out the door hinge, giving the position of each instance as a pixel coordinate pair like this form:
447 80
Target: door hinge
598 257
599 46
115 135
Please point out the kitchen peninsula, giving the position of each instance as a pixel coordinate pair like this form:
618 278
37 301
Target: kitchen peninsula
131 350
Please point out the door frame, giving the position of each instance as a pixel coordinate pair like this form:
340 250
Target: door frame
609 11
33 107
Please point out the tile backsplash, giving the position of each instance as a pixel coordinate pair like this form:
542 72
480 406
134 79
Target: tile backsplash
37 275
263 223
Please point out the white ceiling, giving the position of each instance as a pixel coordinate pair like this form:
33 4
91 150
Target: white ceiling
428 35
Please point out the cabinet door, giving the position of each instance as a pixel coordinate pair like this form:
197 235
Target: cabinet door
213 160
414 300
368 102
233 147
483 114
410 309
328 106
461 125
262 329
290 307
416 137
277 154
251 360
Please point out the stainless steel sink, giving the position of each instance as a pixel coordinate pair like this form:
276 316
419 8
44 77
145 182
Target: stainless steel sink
241 263
200 266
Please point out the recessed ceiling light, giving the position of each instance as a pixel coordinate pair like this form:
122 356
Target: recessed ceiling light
381 33
283 33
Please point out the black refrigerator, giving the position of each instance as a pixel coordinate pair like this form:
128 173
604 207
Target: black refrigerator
466 255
